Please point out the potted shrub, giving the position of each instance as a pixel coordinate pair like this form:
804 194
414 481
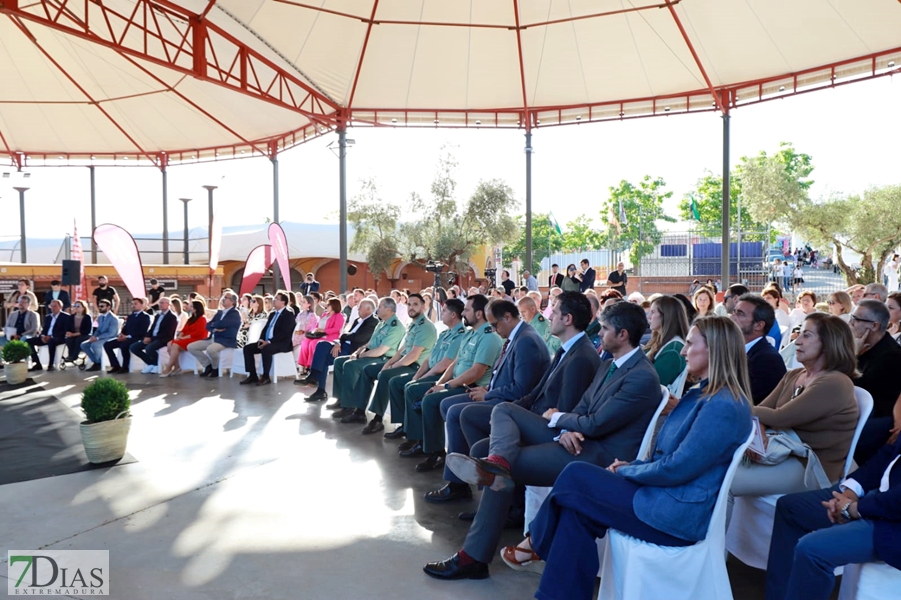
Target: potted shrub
104 433
15 353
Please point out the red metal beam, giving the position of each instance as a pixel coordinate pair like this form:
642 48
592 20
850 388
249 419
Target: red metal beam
156 47
716 97
353 89
526 119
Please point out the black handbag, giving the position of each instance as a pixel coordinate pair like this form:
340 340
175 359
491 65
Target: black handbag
315 335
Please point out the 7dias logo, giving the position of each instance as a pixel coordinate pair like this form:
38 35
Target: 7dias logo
58 572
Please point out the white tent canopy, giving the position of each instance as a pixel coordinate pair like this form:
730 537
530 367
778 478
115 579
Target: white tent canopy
182 80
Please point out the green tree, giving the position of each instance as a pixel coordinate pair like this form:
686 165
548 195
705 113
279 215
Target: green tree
581 234
708 197
632 212
544 239
440 229
775 188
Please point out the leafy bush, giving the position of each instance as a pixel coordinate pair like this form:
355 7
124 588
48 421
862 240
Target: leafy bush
104 399
16 351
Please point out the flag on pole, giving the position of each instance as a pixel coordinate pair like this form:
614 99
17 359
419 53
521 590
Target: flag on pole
695 213
622 213
611 217
554 225
78 254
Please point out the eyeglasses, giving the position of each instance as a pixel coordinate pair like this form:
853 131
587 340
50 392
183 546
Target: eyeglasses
869 294
854 319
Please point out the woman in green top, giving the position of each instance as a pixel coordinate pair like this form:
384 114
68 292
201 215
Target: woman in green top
669 326
570 283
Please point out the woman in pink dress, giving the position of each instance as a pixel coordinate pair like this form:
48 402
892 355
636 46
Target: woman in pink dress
306 319
334 322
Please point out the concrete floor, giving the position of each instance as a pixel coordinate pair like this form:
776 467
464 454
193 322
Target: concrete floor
246 492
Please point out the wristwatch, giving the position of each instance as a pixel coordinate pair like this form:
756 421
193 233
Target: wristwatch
846 514
447 386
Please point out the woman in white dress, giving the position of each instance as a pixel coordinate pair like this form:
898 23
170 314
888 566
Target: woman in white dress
890 271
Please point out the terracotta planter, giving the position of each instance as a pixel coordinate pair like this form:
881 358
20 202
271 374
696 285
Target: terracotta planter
105 441
16 373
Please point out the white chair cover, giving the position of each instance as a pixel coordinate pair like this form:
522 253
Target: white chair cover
44 355
227 358
870 581
186 361
634 569
748 538
283 365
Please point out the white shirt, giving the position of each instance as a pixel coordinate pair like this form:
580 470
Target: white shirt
855 487
750 344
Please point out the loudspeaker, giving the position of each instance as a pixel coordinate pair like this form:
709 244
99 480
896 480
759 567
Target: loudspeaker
71 272
351 269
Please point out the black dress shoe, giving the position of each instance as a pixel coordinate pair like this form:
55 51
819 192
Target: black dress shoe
452 569
410 448
317 396
374 426
264 380
94 367
449 492
36 367
214 373
336 405
207 371
354 417
248 380
306 381
434 461
396 434
341 413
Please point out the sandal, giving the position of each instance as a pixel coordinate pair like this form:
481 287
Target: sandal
532 563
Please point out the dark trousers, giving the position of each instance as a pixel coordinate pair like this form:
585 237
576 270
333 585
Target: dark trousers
585 502
874 435
323 359
451 408
51 344
124 347
74 345
266 352
382 396
475 421
398 388
806 548
148 352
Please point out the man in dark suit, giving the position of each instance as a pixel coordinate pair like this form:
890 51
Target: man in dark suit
523 361
586 276
608 423
57 293
135 328
861 522
309 285
326 352
276 338
755 317
161 332
555 279
56 324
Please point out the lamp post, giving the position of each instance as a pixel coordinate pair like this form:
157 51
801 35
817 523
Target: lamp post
22 191
187 258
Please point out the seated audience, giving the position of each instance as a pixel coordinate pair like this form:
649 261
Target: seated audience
878 360
327 329
80 326
876 291
857 521
608 422
23 322
730 297
856 292
106 332
161 332
177 309
134 329
839 304
805 305
570 282
894 315
669 326
193 331
56 324
223 329
276 338
754 316
255 313
817 403
703 302
773 296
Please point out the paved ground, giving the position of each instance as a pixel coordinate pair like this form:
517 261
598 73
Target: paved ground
253 493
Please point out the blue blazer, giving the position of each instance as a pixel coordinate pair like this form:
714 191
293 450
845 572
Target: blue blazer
882 508
522 366
231 324
563 388
136 325
682 479
107 327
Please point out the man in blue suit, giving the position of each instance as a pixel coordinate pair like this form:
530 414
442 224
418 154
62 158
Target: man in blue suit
861 523
107 330
755 317
608 423
523 361
135 328
224 329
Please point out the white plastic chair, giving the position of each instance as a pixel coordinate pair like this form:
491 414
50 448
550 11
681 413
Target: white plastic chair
869 581
283 365
227 359
44 355
253 336
633 569
748 538
186 361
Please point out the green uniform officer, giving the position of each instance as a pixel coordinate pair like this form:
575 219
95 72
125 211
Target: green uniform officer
543 327
442 356
382 345
472 367
418 344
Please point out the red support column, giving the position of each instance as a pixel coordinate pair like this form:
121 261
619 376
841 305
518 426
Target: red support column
198 46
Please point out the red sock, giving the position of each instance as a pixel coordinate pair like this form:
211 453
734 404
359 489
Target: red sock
465 559
498 460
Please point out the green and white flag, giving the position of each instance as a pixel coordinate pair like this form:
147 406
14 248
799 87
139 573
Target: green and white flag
695 213
554 225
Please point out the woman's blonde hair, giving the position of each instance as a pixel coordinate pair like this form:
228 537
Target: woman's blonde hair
837 341
727 362
844 299
674 324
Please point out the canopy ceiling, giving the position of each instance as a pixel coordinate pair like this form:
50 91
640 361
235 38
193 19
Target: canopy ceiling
181 80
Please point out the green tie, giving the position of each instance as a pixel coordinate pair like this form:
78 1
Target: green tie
610 372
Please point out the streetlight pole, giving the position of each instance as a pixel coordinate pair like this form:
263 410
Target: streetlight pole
23 252
187 258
